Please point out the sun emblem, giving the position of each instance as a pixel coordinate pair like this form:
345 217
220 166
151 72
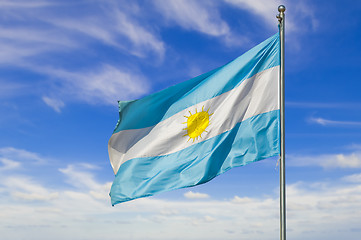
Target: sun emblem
197 124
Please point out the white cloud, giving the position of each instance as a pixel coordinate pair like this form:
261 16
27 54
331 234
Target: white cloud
138 35
54 103
303 16
209 219
18 44
35 196
48 30
24 188
23 4
355 178
102 192
109 84
78 176
194 15
117 28
20 155
8 164
33 33
264 8
104 85
299 15
322 105
352 160
196 195
330 208
328 122
200 16
243 200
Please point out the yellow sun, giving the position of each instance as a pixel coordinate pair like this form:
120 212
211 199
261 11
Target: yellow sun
197 124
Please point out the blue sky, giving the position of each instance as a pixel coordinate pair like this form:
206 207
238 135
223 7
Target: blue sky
64 65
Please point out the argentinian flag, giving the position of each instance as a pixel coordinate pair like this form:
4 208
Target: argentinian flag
189 133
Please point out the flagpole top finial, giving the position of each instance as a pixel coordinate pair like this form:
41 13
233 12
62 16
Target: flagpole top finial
281 8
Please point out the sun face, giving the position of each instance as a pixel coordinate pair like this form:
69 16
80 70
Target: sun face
197 124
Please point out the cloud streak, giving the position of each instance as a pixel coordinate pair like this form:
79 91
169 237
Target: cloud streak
352 160
321 105
24 188
21 155
23 4
328 122
7 164
118 29
202 17
103 85
354 178
192 15
297 13
56 104
263 8
195 195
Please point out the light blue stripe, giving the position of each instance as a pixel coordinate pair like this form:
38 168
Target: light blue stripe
159 106
249 141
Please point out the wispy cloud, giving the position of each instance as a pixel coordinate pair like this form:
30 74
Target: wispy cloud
352 160
103 85
81 177
23 3
194 15
116 28
195 195
242 200
24 188
31 40
355 178
21 155
264 9
139 36
55 104
328 122
320 105
297 13
7 164
321 204
203 17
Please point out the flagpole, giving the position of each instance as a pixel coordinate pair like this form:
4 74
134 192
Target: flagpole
281 19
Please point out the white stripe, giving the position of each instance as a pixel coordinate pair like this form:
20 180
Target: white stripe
256 95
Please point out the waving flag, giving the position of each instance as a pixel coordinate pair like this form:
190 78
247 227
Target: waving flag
191 132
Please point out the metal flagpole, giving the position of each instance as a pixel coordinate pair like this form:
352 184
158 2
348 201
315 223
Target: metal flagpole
281 19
